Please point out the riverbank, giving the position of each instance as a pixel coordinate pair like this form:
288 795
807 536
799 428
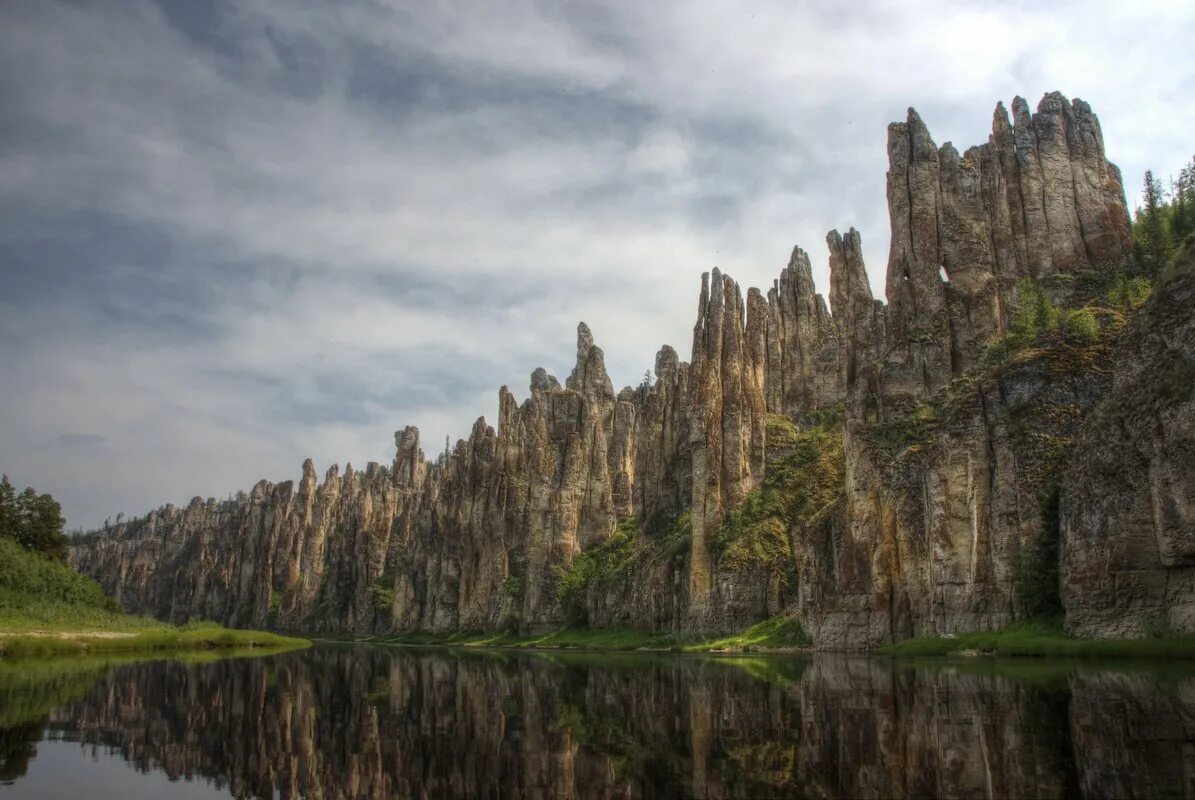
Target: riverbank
778 634
1044 639
47 608
200 636
1032 639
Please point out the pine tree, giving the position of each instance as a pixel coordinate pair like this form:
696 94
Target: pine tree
34 521
1151 240
8 509
1182 211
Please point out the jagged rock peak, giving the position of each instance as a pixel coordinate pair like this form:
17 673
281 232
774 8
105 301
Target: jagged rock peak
1036 199
409 463
589 376
667 363
541 381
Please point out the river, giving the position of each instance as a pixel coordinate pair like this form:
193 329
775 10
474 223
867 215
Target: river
373 722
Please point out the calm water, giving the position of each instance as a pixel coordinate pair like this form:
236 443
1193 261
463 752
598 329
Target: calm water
394 722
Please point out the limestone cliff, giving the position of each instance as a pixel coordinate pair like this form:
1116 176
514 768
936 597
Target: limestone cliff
1128 499
880 471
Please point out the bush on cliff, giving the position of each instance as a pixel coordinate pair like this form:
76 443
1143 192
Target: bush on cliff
608 564
804 475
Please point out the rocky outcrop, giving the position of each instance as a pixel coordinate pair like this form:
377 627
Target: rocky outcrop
726 419
1128 499
950 460
1038 199
802 344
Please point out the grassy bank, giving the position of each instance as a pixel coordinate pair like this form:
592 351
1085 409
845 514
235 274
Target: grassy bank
776 634
199 636
1044 639
48 608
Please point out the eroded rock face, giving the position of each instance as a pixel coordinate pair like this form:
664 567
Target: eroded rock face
726 420
946 476
479 538
1128 499
802 344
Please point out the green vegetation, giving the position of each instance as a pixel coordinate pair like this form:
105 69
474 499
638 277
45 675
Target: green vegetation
46 607
777 633
1164 219
1072 338
573 638
609 564
1044 638
194 636
803 478
34 521
381 591
26 575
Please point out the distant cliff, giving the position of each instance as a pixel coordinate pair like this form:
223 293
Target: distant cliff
883 471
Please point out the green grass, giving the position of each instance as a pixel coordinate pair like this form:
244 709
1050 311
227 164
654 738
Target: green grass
48 608
775 634
198 636
1044 639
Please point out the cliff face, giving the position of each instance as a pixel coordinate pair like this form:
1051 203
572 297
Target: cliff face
949 461
1128 498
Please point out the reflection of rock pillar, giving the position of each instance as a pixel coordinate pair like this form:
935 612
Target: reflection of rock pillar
699 737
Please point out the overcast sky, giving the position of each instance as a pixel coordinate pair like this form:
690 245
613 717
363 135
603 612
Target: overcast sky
235 235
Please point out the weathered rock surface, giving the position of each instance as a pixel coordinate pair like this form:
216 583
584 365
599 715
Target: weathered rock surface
1128 499
950 468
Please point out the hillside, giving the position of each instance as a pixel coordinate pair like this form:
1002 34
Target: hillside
48 607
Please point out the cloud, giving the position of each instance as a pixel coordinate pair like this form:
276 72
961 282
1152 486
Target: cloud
80 440
234 235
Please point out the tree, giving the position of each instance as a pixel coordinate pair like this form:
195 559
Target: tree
33 520
1151 239
8 509
1182 205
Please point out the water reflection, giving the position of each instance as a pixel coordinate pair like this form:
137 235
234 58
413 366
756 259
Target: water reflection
371 722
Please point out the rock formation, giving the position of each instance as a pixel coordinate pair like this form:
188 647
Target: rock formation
1128 499
950 465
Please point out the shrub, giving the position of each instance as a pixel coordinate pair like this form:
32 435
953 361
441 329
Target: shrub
1034 312
381 591
1081 327
1129 293
796 487
514 586
37 576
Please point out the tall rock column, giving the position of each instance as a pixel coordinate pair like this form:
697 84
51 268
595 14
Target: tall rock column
801 343
726 423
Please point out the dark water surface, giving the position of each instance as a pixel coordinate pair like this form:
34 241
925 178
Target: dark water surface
378 722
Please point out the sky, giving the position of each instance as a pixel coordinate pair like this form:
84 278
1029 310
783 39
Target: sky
235 235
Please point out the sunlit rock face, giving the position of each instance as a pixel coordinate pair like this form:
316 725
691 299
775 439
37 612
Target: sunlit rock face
950 472
379 724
